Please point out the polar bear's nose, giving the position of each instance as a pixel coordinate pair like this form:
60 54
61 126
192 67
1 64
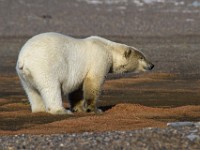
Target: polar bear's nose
151 67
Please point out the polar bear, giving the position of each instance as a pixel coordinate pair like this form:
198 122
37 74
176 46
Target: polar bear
52 64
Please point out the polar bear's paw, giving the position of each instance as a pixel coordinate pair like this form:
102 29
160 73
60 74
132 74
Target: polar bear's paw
60 112
38 109
94 110
79 108
98 111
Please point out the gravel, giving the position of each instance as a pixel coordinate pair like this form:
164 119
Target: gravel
172 137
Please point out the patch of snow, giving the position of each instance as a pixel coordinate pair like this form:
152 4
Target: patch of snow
94 2
180 124
121 7
111 2
153 1
141 3
99 2
179 3
196 4
189 20
138 3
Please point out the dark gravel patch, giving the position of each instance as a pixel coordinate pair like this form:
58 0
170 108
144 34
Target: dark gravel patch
182 137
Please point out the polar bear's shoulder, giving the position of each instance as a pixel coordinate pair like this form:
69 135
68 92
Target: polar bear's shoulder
100 41
98 38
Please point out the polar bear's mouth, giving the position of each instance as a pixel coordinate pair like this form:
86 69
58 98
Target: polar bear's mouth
145 66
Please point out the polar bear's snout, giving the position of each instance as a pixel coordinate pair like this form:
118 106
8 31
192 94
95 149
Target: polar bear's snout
145 65
151 66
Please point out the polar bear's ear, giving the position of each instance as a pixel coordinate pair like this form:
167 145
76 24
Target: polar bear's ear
127 53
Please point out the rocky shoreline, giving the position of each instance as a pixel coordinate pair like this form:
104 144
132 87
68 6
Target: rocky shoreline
182 135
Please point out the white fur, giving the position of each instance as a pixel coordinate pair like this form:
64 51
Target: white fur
142 66
51 63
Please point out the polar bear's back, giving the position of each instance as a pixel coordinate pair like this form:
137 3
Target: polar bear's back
46 42
63 58
51 46
54 55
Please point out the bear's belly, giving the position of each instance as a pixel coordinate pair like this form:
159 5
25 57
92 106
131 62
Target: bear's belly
70 86
73 81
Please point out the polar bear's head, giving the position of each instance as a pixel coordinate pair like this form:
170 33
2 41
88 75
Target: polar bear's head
132 61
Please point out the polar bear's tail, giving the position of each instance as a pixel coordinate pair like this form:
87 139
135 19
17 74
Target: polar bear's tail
20 65
22 69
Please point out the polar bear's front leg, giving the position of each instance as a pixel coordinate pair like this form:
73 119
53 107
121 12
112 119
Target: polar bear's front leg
91 90
77 101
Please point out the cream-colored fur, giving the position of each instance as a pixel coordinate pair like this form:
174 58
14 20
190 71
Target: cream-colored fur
50 64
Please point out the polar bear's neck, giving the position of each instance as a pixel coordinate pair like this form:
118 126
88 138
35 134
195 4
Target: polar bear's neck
112 46
116 50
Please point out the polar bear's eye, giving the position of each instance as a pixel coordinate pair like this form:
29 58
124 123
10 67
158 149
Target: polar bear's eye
141 58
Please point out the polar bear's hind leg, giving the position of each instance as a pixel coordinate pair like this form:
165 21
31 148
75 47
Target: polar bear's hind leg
35 99
51 95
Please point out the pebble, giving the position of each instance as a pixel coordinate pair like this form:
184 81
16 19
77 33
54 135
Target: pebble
192 137
197 124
